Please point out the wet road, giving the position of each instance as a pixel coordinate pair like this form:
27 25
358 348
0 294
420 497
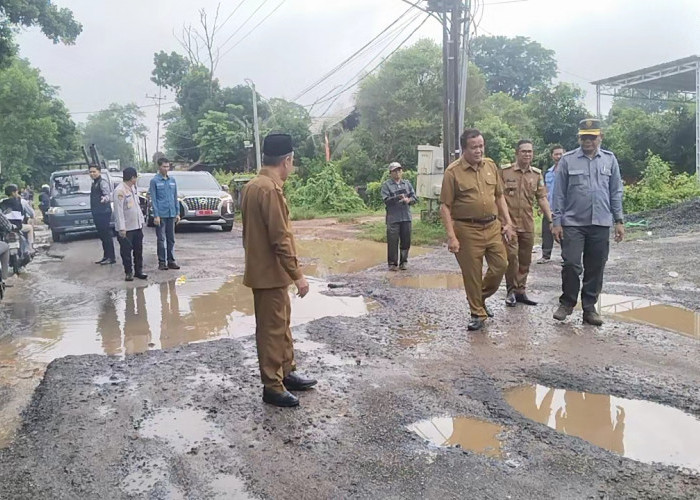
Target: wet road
409 404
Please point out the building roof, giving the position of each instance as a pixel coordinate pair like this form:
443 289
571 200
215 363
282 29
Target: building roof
673 76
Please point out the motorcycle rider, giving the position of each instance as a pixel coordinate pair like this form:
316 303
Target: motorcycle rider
15 209
5 227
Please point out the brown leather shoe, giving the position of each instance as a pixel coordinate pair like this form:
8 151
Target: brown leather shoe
562 312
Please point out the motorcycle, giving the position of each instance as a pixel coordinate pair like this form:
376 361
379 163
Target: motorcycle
20 254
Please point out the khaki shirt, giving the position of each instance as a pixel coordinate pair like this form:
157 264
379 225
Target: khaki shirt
471 190
521 188
127 210
270 252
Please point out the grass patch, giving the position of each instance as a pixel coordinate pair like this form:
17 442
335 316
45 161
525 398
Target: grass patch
303 213
423 234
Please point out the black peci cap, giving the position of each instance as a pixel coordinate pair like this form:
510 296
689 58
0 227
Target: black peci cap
277 145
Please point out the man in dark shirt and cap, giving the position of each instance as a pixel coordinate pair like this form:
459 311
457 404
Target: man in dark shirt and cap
101 207
271 265
398 196
587 201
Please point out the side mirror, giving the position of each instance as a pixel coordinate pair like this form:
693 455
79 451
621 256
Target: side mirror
225 188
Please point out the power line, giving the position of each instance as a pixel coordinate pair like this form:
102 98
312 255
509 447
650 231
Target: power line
231 14
236 31
253 29
350 58
378 65
401 29
107 109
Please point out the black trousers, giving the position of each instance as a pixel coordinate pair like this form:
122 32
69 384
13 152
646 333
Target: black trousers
132 244
398 234
105 233
547 240
590 246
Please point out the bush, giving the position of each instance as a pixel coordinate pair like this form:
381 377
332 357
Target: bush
325 192
223 177
659 187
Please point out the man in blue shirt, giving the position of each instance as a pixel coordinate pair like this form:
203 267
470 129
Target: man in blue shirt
547 239
587 201
166 214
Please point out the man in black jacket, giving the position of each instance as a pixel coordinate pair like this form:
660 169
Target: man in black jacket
101 206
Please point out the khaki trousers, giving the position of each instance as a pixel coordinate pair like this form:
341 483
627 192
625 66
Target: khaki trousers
477 241
519 259
273 337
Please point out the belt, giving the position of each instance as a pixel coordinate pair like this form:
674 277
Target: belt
484 220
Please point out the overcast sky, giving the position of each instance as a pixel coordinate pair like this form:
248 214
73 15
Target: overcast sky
303 39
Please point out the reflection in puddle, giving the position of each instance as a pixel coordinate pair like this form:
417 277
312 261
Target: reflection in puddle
676 319
640 430
181 429
164 315
329 257
446 280
470 433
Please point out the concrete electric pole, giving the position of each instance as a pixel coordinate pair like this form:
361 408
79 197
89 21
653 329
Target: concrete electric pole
158 100
256 127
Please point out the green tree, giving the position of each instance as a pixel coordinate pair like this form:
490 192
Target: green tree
114 130
37 130
514 66
293 119
169 70
220 136
326 192
499 137
56 23
556 112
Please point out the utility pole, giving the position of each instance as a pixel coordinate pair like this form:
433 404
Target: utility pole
256 127
465 64
453 14
157 99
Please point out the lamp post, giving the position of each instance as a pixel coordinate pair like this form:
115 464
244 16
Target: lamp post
256 129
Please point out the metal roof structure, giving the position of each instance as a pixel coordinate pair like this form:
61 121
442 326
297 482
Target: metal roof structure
677 80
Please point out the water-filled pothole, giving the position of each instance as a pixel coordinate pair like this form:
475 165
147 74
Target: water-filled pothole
676 319
636 429
469 433
444 280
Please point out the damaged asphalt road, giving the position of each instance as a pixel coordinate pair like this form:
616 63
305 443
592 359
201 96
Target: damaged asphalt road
162 419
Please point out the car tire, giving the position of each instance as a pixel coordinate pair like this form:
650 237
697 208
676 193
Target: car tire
227 228
55 236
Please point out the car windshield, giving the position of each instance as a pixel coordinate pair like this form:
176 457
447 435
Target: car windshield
202 180
143 180
70 184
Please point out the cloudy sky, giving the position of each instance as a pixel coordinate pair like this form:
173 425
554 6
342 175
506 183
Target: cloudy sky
287 45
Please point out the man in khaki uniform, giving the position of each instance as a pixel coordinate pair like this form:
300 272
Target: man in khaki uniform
523 184
271 265
472 199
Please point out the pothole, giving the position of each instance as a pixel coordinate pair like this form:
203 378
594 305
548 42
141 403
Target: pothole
430 281
639 310
181 429
470 434
641 430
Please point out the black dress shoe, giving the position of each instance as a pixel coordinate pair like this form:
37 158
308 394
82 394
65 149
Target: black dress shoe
476 323
173 265
523 299
511 300
141 276
282 399
129 277
488 310
108 261
297 382
103 261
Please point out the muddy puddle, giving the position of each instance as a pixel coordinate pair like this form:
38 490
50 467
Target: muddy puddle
470 434
430 281
641 430
163 316
322 258
668 317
